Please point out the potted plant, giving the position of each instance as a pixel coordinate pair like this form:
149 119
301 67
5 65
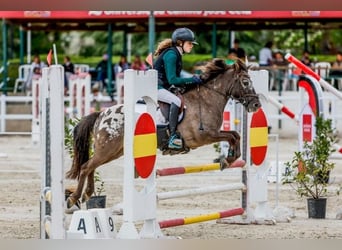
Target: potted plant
97 200
308 171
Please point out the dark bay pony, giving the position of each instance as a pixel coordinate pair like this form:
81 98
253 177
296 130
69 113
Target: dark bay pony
200 126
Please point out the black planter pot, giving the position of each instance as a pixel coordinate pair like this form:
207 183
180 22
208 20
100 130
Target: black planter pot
96 202
317 208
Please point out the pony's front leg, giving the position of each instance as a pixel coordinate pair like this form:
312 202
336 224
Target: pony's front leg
90 187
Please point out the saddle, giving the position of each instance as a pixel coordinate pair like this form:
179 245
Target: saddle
165 107
163 132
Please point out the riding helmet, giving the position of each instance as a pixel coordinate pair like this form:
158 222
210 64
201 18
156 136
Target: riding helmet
183 34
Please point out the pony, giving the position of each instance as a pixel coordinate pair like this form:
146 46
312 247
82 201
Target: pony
200 125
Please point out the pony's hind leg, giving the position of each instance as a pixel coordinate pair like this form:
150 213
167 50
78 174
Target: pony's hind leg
74 197
88 171
90 187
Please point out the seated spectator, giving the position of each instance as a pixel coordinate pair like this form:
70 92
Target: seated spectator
138 64
336 71
279 64
279 59
306 60
119 68
121 65
336 67
36 72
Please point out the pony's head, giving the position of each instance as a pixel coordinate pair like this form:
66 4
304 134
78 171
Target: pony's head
233 81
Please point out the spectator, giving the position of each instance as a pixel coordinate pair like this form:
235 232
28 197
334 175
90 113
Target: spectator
138 64
69 69
265 55
337 65
119 68
68 65
279 64
306 60
266 60
231 57
240 52
102 70
121 65
336 71
36 72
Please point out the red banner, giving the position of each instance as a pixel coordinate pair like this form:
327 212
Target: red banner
307 127
170 14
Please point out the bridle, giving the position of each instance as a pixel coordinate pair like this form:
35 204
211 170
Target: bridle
244 100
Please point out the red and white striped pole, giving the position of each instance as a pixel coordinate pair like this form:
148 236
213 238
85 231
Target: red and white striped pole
338 148
326 85
282 108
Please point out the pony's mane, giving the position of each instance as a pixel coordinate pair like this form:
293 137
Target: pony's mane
218 66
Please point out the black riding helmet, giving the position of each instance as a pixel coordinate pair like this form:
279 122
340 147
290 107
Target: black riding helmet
183 34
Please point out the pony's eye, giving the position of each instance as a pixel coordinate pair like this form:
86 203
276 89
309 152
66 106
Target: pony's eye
246 83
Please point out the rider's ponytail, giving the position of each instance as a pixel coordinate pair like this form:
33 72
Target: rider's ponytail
167 43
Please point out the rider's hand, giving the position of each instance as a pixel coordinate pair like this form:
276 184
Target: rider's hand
196 80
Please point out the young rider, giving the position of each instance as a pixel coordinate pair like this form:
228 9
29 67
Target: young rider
169 65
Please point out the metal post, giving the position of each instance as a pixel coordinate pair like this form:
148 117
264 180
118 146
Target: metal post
151 32
306 44
28 44
213 42
109 62
4 55
22 43
129 47
244 198
124 45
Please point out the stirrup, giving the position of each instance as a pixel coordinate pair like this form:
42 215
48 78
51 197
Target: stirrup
175 143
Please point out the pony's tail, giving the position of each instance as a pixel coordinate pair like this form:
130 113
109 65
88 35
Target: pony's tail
82 141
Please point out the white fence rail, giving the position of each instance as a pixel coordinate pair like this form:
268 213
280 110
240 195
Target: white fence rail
280 123
4 100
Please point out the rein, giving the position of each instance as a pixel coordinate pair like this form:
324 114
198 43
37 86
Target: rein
200 109
241 99
199 102
218 92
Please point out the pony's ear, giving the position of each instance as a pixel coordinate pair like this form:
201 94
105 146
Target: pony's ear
220 63
239 65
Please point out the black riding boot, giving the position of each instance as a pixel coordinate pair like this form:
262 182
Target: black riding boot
174 142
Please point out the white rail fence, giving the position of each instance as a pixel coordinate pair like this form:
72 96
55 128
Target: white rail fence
279 122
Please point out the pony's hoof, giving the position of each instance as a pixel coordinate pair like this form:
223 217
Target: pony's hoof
223 163
74 208
85 198
70 202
